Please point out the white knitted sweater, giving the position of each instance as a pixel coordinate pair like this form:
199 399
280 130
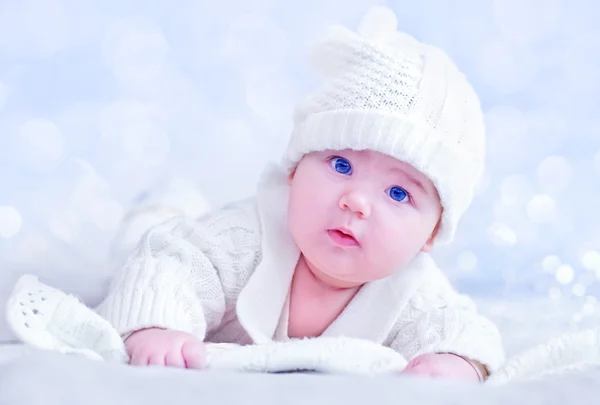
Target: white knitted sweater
225 278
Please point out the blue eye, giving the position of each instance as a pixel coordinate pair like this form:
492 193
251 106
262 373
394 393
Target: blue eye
398 194
341 165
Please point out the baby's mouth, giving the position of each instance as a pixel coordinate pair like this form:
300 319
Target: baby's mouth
343 237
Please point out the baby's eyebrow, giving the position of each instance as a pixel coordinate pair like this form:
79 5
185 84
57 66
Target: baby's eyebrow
411 179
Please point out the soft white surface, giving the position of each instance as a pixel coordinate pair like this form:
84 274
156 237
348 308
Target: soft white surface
50 378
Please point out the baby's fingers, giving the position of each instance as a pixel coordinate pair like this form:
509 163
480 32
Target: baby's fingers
157 359
175 359
193 354
139 358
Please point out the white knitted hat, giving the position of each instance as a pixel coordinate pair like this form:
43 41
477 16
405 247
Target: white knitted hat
400 97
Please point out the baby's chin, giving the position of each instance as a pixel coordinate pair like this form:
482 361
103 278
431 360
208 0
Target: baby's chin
345 277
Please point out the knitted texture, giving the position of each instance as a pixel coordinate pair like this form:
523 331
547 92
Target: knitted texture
185 274
402 98
568 353
459 330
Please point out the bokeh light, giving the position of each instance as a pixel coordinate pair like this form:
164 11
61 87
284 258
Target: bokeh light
10 221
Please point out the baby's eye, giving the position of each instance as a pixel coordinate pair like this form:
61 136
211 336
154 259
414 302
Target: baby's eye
398 194
341 165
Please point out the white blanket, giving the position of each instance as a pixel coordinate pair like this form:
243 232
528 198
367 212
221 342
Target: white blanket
49 378
46 318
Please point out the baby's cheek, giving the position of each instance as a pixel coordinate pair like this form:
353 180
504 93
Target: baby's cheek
391 253
381 262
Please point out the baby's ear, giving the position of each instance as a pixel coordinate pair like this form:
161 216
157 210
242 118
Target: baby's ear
428 246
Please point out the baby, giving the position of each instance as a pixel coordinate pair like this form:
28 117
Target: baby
382 163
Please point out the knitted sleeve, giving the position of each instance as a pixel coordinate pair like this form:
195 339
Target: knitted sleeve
185 274
437 319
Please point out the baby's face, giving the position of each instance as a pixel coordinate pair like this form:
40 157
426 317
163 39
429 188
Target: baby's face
359 216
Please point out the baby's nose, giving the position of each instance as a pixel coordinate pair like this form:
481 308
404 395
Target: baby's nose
356 202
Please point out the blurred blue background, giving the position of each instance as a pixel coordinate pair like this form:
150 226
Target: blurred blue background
105 104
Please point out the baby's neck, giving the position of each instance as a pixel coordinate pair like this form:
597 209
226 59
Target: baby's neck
314 303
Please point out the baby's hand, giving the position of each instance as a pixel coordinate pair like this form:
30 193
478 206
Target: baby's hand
162 347
443 365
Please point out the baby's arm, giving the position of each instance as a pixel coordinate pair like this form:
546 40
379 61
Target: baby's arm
442 334
182 278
